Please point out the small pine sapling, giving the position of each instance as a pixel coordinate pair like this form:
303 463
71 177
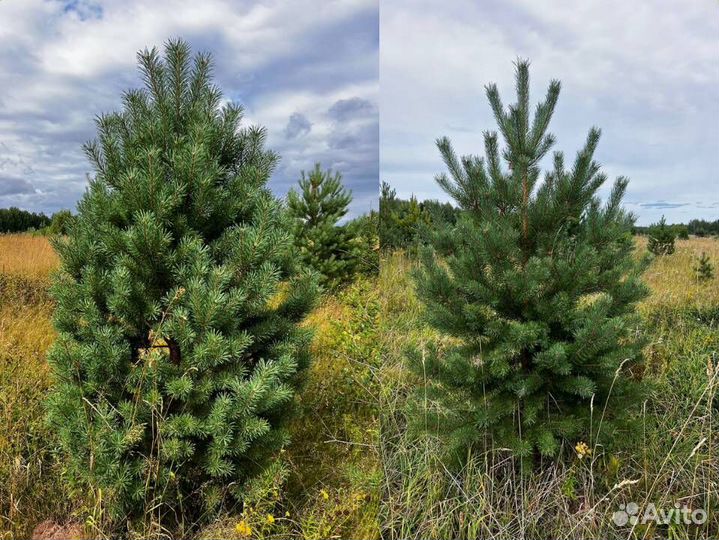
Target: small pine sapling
328 248
704 269
661 238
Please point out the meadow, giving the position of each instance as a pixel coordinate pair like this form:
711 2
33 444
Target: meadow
353 469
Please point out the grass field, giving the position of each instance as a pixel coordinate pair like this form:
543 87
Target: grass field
353 470
27 256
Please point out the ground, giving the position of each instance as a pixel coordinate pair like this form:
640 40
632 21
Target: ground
353 469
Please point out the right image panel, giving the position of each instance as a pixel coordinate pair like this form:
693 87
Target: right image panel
549 233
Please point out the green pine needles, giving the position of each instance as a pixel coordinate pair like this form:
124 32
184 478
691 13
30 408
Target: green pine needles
324 246
661 238
535 286
704 269
401 222
178 302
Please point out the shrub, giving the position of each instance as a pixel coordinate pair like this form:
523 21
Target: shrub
661 238
61 222
537 283
704 269
177 305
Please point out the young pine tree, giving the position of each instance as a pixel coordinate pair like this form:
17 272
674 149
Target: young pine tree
177 304
704 269
661 238
537 284
61 222
402 222
389 237
364 230
325 246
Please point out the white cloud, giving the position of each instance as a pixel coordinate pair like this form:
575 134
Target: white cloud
66 61
646 72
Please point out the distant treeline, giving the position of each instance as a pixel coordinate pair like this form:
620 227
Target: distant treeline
406 222
15 220
402 222
696 227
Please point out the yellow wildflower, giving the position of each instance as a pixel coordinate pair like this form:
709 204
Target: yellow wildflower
324 494
270 519
243 529
583 450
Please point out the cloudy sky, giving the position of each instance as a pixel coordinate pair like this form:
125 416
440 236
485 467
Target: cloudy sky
646 72
307 71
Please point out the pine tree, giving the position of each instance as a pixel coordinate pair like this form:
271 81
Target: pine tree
61 222
704 269
389 236
325 246
682 231
661 238
364 230
537 285
178 303
411 222
402 222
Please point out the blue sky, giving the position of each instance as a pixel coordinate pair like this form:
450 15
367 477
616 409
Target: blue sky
646 72
306 71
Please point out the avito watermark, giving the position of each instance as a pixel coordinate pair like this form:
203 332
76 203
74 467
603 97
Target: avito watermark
679 514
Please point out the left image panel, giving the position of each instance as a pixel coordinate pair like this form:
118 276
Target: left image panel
188 269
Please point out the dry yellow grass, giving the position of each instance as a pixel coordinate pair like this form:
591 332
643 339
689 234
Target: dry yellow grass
30 485
27 255
672 281
26 328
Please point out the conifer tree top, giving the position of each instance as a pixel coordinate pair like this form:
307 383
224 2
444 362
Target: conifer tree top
322 198
504 183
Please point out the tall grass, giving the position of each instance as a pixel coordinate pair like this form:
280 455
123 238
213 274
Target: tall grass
27 255
31 486
677 293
